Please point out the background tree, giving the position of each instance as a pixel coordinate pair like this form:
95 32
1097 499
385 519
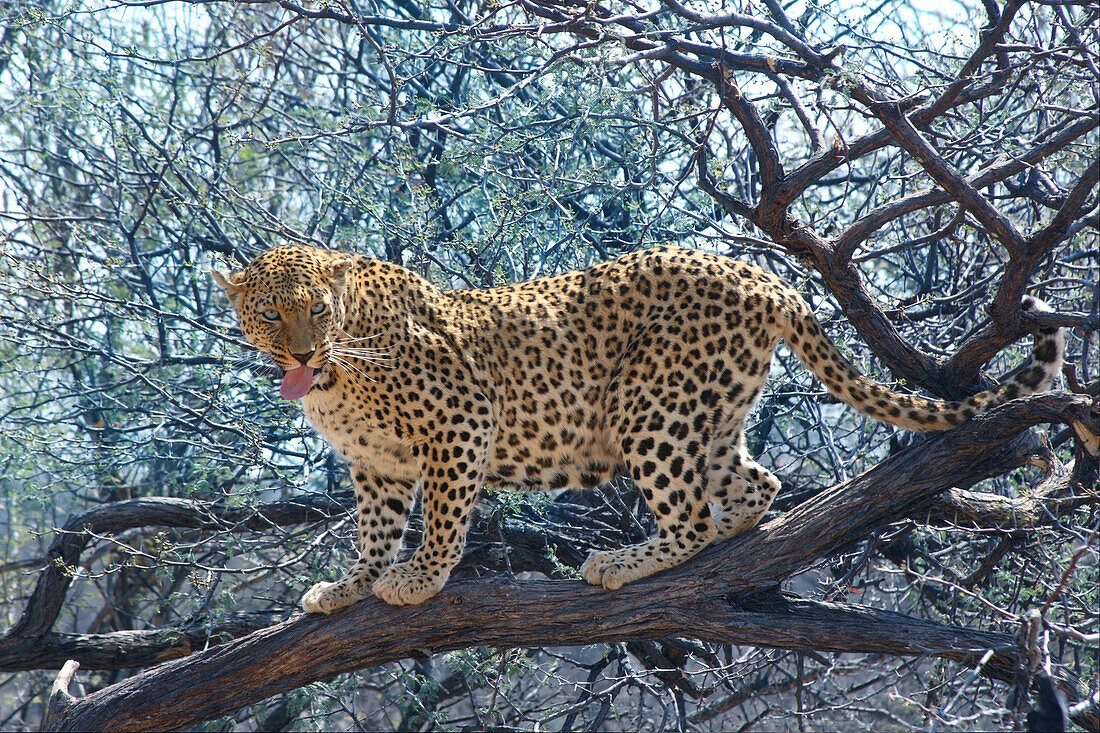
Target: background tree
914 170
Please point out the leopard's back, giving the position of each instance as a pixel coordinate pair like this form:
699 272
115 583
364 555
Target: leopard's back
566 356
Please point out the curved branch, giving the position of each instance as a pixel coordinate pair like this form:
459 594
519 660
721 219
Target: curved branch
981 346
992 35
940 169
714 20
1041 242
831 158
767 154
863 311
998 170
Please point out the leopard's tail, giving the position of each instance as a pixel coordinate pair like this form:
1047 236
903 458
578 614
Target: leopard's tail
809 342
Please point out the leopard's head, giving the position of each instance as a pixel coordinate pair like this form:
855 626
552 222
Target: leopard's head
290 304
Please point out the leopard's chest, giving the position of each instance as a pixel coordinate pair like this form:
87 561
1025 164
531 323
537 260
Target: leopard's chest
361 437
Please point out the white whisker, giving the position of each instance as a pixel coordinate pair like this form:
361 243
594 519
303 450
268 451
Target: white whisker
376 358
348 367
255 360
349 338
382 355
373 363
363 349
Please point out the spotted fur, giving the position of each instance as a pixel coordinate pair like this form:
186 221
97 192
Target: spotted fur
646 366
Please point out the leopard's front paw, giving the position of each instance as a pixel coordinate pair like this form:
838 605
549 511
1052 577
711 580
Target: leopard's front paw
402 585
611 570
329 597
596 567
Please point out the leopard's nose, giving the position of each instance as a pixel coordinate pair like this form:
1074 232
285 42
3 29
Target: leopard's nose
303 359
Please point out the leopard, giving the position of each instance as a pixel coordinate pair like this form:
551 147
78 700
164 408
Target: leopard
643 366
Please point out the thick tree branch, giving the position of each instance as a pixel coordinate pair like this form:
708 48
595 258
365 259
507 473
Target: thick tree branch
763 146
705 598
133 649
864 313
1041 242
503 614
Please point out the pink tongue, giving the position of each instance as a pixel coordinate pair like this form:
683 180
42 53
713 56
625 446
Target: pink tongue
296 383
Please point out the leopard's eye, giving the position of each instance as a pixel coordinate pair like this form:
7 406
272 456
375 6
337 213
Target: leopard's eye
318 308
271 314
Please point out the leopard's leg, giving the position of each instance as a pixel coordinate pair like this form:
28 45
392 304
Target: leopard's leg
449 490
741 487
672 483
382 507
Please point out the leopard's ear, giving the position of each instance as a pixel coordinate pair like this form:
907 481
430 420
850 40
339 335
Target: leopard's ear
337 268
231 282
336 271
